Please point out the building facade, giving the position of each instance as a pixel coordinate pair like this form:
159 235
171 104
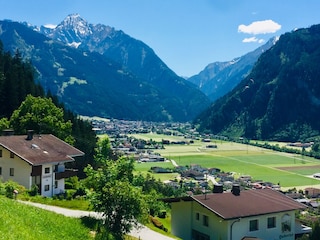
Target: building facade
37 160
252 214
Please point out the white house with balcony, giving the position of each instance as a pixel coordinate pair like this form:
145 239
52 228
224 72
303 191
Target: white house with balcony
250 214
37 159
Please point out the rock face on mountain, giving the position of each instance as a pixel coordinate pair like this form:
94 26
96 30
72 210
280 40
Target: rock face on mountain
96 70
219 78
279 99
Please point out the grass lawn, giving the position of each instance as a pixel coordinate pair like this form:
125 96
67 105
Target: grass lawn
290 170
19 221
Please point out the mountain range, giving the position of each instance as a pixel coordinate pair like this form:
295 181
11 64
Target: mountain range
96 70
279 99
219 78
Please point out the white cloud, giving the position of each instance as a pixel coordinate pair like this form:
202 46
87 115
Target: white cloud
52 26
252 39
260 27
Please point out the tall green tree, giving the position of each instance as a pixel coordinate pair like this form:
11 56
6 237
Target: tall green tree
113 195
42 116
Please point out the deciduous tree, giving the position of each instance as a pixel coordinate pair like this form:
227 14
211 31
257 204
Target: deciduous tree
42 116
112 194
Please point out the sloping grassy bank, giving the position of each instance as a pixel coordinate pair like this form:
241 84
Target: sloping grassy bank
19 221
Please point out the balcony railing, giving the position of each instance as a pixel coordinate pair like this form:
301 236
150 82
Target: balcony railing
66 174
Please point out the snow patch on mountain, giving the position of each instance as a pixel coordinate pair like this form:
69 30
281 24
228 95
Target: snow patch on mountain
74 44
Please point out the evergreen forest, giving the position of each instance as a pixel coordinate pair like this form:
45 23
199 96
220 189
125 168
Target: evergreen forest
16 83
279 100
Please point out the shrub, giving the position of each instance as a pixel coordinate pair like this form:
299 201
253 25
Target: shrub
158 224
9 188
34 190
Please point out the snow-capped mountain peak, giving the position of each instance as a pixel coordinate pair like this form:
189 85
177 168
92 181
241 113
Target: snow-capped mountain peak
73 29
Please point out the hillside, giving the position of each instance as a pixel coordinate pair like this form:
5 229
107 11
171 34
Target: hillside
279 99
219 78
104 79
19 221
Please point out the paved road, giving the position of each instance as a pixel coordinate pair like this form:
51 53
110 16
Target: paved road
142 233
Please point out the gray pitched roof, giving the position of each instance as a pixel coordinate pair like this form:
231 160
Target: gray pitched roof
41 149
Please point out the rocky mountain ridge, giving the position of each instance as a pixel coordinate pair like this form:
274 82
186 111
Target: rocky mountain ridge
105 72
219 78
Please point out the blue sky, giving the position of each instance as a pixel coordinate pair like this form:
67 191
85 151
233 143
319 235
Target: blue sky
186 34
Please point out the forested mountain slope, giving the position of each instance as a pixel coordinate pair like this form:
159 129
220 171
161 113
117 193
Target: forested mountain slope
279 99
94 83
219 78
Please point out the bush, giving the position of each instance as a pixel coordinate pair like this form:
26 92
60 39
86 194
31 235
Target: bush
80 192
34 191
158 224
10 187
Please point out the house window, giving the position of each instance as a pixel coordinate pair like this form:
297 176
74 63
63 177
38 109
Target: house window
271 222
205 220
0 152
254 225
56 184
0 170
47 170
197 216
11 155
46 188
11 172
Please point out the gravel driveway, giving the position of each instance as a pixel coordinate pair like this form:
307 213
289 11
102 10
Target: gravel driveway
142 233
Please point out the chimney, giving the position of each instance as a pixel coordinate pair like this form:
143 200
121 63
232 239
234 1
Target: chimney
29 135
235 189
218 188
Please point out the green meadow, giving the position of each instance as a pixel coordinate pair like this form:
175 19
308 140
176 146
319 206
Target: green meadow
20 221
290 170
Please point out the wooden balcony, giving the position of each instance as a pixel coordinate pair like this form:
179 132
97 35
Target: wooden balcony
66 174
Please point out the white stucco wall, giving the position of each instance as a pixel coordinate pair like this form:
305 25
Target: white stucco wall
22 170
181 220
241 228
217 228
47 180
60 188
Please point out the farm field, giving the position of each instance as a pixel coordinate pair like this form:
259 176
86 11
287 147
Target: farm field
290 170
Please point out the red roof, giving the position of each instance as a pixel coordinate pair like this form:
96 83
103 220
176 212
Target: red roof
40 149
248 203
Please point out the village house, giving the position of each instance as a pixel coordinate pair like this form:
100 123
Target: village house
250 214
36 160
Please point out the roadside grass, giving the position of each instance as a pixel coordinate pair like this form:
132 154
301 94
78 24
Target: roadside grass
19 221
77 204
166 223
